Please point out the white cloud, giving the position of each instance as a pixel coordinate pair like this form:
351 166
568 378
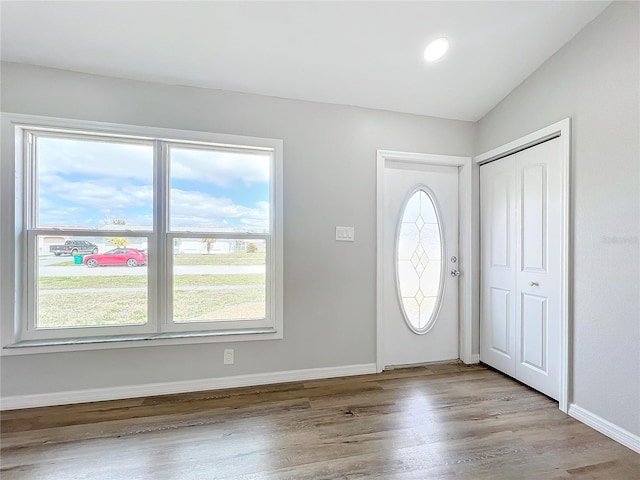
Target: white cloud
133 161
84 182
108 159
198 209
55 216
99 194
219 168
91 202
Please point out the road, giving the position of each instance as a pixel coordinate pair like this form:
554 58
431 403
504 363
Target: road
144 289
83 271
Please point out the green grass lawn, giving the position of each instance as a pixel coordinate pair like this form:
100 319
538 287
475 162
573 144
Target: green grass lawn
97 309
236 258
218 305
124 281
127 308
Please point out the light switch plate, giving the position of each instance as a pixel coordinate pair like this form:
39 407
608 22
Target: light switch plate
345 234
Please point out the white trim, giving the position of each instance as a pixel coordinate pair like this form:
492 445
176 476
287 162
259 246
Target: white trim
125 130
168 388
13 306
562 130
605 427
555 130
465 208
475 358
133 341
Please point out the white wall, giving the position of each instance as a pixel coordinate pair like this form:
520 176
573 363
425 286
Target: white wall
329 180
594 80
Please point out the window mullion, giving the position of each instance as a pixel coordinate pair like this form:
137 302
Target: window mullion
31 187
26 304
161 275
92 232
28 313
214 234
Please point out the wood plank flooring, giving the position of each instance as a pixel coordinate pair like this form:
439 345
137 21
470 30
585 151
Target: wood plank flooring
434 422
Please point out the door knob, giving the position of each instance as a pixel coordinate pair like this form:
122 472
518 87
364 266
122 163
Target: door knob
455 273
533 284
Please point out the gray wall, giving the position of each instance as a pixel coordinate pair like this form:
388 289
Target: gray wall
594 80
329 180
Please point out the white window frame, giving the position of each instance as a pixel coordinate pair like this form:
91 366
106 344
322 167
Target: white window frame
18 267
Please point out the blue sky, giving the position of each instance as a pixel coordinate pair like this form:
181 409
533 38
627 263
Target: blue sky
89 183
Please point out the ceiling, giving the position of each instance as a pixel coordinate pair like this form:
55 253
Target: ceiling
368 54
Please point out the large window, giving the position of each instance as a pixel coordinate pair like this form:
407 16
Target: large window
130 235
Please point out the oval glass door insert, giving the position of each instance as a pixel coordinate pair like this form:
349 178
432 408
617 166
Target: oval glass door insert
419 265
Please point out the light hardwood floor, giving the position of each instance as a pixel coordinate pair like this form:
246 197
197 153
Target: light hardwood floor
440 421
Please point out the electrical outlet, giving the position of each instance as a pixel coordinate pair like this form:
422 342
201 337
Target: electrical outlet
229 356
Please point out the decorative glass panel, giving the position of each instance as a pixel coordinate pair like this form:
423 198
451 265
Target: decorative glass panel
419 267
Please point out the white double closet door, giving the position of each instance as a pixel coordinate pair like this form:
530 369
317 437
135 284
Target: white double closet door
521 265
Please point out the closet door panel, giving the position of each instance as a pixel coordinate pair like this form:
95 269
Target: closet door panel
534 212
533 320
520 293
498 303
538 278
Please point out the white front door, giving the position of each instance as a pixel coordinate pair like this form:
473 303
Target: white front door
521 285
420 297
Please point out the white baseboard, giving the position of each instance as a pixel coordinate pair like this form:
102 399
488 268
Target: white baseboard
605 427
471 359
166 388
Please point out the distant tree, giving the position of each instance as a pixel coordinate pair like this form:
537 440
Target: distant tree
118 242
252 248
118 222
209 242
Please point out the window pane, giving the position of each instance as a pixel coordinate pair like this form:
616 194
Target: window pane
218 279
91 281
94 184
219 191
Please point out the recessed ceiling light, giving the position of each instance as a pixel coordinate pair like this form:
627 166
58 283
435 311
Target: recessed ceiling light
436 49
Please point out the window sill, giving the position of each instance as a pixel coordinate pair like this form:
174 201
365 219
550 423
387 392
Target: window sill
128 341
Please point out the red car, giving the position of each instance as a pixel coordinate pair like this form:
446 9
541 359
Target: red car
130 257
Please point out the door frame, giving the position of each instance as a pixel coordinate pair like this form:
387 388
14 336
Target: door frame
465 245
561 130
